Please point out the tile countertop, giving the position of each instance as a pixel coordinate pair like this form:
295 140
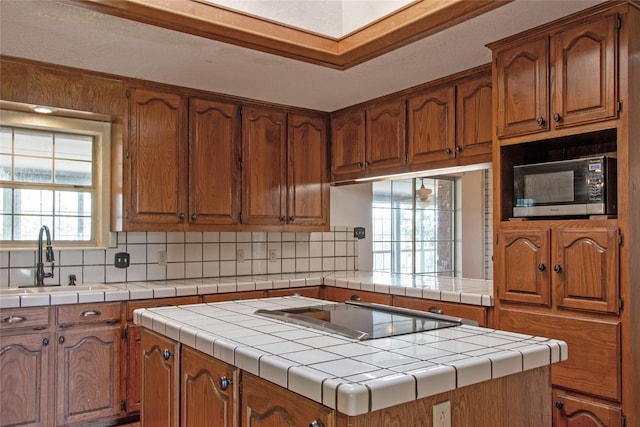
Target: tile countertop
467 291
354 377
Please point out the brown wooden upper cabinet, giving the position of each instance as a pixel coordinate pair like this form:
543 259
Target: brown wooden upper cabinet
369 143
284 170
450 122
157 158
557 80
214 162
570 265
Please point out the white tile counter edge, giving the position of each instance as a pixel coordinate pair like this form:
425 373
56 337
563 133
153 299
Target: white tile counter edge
465 291
354 377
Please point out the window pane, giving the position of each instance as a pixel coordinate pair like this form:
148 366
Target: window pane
74 147
73 173
5 167
32 169
73 228
33 202
72 203
28 227
6 227
33 143
6 136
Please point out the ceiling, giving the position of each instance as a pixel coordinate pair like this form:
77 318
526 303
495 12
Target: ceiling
64 33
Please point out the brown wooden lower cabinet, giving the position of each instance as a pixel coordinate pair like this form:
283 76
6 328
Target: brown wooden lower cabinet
573 410
253 402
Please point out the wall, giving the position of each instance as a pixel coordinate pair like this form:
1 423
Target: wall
191 256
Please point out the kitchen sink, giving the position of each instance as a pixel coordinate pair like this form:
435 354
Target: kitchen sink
53 289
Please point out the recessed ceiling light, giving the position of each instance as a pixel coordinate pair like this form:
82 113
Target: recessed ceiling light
43 110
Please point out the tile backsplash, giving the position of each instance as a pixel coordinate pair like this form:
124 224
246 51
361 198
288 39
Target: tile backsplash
166 256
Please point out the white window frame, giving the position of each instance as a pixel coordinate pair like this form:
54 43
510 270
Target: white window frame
101 131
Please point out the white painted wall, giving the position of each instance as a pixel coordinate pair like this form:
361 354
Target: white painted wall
471 225
351 206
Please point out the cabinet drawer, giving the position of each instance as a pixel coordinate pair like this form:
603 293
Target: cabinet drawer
160 302
15 318
88 313
342 294
593 365
477 313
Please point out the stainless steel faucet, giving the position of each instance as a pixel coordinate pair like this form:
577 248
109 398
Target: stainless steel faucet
40 273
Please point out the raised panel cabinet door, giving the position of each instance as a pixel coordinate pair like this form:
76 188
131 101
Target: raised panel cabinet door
157 157
522 88
209 390
573 411
585 69
88 374
160 365
308 187
214 162
473 117
347 145
385 136
523 267
586 269
24 380
264 173
431 126
267 405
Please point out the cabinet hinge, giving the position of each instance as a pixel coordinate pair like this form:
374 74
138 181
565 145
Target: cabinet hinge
240 217
123 405
126 213
619 22
406 157
619 106
621 239
620 303
127 93
124 333
624 420
126 155
240 163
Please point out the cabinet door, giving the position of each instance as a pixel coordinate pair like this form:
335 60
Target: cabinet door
473 117
308 188
575 411
214 160
431 126
347 145
523 266
24 379
157 157
88 374
586 269
522 92
385 136
264 166
267 405
160 381
585 73
208 392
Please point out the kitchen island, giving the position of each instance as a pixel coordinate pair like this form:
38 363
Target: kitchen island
195 356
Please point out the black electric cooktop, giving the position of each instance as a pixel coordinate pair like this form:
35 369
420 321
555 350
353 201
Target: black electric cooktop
364 321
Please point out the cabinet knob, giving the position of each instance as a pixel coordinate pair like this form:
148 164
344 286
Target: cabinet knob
194 217
557 117
448 150
559 404
61 340
316 423
166 354
181 216
557 268
225 382
458 149
292 218
540 121
367 164
360 164
541 267
45 342
283 219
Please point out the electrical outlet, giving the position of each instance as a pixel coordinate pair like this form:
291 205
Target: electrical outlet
442 414
121 260
273 255
240 255
162 258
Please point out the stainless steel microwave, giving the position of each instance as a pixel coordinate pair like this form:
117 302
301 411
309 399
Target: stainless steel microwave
577 187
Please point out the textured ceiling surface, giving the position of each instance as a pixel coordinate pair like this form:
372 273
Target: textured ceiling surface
67 35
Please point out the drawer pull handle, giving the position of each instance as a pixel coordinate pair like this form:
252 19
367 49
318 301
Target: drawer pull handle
225 383
14 319
166 354
90 313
